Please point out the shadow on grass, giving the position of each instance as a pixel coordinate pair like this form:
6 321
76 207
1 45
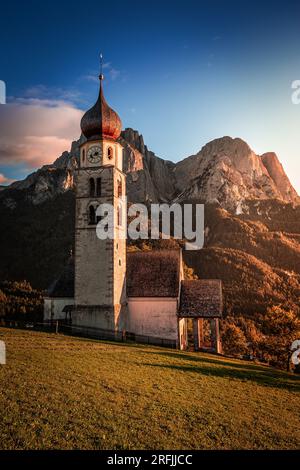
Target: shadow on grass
253 373
216 359
230 368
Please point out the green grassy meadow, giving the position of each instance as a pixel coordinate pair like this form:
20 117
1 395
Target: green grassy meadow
59 392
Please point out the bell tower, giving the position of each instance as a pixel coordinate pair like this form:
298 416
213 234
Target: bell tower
100 265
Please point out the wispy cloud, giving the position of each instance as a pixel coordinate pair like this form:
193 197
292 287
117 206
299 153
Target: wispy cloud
112 73
36 131
4 180
50 96
90 77
39 125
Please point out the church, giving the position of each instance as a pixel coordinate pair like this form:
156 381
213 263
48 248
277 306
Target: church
104 287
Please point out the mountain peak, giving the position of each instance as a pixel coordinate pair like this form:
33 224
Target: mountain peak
228 171
278 175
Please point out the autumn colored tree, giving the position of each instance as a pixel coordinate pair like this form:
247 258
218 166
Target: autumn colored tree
233 339
280 328
19 301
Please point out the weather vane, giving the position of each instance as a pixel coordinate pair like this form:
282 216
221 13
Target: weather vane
101 76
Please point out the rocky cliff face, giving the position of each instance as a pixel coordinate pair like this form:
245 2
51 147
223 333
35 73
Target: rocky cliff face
149 178
279 177
226 171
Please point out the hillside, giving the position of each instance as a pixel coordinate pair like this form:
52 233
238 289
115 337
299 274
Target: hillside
36 239
256 256
159 399
264 251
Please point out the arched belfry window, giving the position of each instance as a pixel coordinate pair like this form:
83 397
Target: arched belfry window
92 187
119 188
98 187
110 153
92 215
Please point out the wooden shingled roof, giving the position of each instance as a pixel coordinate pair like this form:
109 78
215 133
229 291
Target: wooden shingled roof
149 274
201 298
153 273
157 274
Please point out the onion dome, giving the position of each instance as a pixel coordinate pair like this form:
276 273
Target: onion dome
101 122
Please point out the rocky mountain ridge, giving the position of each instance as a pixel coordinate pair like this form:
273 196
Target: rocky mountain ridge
225 171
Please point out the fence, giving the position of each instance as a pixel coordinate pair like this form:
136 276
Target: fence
89 332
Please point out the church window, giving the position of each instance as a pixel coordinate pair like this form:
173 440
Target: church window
109 153
120 262
98 187
92 215
119 215
92 187
119 188
83 156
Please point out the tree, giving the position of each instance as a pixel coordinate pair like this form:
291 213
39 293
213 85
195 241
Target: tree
280 328
19 301
233 339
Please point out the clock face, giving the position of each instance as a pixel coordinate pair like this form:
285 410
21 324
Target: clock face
94 154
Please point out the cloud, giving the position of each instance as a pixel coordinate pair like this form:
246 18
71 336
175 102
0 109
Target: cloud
114 73
5 180
35 131
109 72
91 78
52 94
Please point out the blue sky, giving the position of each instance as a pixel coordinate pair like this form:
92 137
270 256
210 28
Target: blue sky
181 72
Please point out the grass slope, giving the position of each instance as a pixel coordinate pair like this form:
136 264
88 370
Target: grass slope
62 392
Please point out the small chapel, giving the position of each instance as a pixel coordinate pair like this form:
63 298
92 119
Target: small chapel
104 287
